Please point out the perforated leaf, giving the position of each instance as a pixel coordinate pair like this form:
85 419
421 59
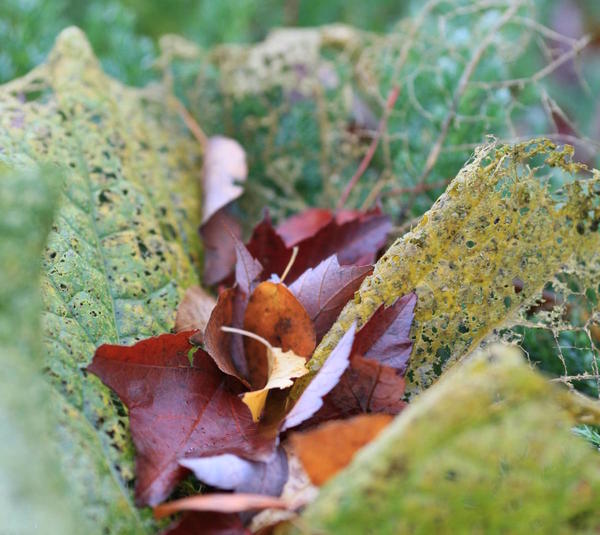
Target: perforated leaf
481 256
487 449
120 252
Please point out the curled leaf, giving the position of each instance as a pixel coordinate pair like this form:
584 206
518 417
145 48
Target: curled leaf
194 310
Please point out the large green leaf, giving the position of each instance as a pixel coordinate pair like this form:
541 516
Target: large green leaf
488 449
122 248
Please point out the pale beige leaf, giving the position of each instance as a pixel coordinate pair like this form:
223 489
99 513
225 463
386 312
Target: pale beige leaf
194 310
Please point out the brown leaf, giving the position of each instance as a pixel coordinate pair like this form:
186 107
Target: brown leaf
220 503
325 290
226 349
194 310
224 169
177 409
230 472
277 316
218 235
329 448
207 523
322 383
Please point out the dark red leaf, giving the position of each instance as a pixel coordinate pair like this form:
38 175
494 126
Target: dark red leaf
386 336
322 383
325 290
355 240
207 523
176 409
226 349
303 225
219 251
230 472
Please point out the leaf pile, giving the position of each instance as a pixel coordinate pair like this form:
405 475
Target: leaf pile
214 400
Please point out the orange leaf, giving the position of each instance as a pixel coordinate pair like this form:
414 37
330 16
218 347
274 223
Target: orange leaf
276 315
329 448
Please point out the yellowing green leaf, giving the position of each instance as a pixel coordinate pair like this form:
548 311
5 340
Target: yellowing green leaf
120 253
487 449
502 220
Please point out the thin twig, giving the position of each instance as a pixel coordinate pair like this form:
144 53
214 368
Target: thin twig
461 88
364 164
191 123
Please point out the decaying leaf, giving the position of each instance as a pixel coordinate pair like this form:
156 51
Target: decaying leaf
200 413
230 472
220 503
325 289
121 251
274 314
500 219
488 448
282 368
224 170
329 448
311 399
194 310
355 237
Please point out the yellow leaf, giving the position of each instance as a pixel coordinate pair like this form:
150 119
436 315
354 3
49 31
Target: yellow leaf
283 367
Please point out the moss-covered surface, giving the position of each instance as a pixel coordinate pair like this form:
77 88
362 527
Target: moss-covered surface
488 449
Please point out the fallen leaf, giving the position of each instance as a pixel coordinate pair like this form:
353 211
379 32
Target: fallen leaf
325 290
355 237
226 349
274 314
230 472
329 448
220 503
303 225
247 268
194 310
208 523
322 383
282 368
218 235
386 336
224 169
177 409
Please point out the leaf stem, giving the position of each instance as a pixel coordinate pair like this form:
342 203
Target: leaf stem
248 334
290 263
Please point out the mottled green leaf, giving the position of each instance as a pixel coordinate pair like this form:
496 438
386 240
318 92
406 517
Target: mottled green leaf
122 249
487 449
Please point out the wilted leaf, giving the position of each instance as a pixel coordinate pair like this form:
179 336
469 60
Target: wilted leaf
325 289
277 316
226 349
488 448
329 448
221 503
230 472
224 170
120 253
218 237
176 409
327 377
194 310
303 225
282 368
